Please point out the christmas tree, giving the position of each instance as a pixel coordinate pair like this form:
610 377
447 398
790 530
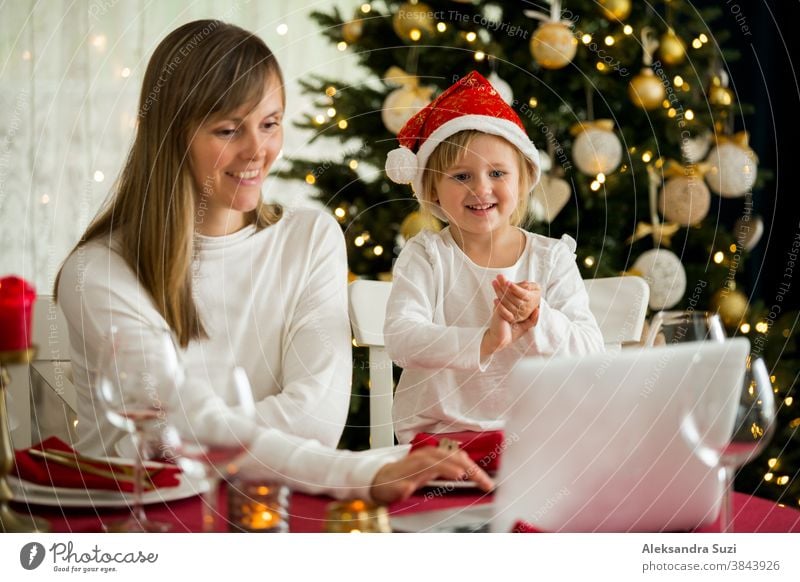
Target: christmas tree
632 105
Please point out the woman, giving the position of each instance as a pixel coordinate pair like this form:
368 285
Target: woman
186 242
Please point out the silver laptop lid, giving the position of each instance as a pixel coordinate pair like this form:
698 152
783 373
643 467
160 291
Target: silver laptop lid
594 442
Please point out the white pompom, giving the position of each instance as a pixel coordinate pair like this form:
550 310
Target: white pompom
401 166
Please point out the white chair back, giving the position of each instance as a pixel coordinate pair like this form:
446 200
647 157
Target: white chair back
368 301
618 303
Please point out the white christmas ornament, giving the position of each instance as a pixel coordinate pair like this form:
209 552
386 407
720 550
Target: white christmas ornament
748 231
685 200
695 149
597 150
502 88
401 105
732 170
549 197
664 273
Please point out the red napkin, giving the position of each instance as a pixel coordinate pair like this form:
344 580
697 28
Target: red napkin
36 469
484 447
524 527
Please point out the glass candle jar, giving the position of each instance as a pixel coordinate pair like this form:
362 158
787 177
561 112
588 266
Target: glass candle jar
258 506
356 516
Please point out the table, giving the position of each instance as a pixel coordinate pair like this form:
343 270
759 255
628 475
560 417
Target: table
751 514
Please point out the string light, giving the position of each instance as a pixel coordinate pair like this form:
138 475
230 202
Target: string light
665 104
600 66
282 29
788 400
99 176
595 185
703 38
353 164
689 114
340 212
588 261
678 80
330 91
310 179
359 241
342 124
696 43
745 328
480 55
342 46
125 73
609 40
719 256
441 26
365 8
378 250
533 102
415 34
601 177
768 476
762 327
732 248
331 112
627 29
772 462
782 480
320 119
586 38
471 36
671 113
647 156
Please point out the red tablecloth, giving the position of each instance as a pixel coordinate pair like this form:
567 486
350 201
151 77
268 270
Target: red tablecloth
751 514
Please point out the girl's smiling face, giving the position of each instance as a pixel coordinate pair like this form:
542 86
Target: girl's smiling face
479 194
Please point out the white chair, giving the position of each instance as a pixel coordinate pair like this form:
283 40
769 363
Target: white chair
367 313
618 303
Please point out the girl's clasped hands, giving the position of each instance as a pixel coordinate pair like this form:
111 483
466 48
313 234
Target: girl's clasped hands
516 310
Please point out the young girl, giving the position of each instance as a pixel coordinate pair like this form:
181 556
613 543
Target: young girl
187 243
456 320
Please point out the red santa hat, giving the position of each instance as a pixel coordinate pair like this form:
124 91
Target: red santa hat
471 103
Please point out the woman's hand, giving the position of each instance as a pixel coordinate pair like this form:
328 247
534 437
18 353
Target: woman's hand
519 300
398 481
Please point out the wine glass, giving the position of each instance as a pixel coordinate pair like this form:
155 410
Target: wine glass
669 327
137 365
215 434
728 445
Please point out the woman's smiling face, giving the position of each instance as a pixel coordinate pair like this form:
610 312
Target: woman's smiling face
231 155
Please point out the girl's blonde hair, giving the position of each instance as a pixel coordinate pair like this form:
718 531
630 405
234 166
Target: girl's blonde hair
202 69
448 153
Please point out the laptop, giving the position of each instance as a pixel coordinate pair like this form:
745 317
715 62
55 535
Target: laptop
594 443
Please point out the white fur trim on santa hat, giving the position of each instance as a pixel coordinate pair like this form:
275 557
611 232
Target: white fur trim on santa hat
491 125
401 165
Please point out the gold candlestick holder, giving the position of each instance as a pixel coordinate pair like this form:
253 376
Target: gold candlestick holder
12 521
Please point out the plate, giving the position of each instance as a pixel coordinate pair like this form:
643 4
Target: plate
33 493
472 519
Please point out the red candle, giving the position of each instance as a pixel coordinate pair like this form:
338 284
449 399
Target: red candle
16 313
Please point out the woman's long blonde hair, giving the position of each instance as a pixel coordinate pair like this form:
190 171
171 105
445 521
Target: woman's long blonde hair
203 68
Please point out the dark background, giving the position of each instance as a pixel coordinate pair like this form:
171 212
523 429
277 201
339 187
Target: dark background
765 76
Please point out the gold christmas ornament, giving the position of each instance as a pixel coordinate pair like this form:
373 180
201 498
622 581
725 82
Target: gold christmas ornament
415 222
615 9
719 96
553 45
352 30
731 305
413 17
646 90
672 48
685 200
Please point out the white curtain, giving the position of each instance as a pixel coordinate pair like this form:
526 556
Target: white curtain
70 73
